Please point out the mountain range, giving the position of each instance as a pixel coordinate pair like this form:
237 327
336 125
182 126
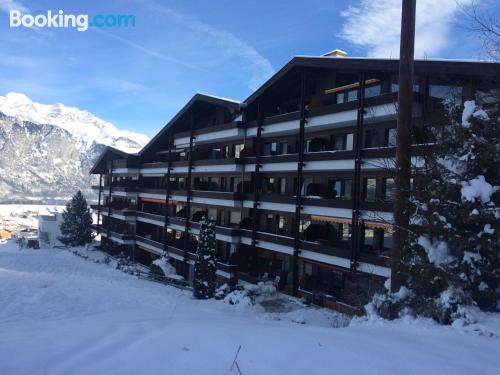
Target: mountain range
46 151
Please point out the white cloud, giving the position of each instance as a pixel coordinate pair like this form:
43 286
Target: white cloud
376 25
8 5
147 51
225 44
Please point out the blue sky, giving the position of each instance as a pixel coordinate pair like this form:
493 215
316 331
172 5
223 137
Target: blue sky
139 77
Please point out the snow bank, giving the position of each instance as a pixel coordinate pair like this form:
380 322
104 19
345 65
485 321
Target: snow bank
66 315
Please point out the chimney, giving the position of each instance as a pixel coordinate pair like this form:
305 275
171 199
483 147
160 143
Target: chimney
336 53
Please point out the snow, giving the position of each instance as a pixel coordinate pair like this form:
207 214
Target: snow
471 110
62 314
488 229
469 107
167 268
477 188
437 252
84 126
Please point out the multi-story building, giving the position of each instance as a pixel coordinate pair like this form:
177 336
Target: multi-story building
298 177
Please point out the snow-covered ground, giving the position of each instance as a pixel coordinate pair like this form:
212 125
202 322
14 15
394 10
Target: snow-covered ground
62 314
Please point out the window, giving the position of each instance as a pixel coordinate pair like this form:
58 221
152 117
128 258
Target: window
349 141
395 85
282 186
307 145
390 137
335 189
339 188
449 94
304 224
347 189
305 184
282 224
487 96
352 95
337 142
212 213
235 217
284 148
387 239
372 91
368 237
389 189
346 232
370 189
235 183
372 139
340 98
315 145
237 150
270 148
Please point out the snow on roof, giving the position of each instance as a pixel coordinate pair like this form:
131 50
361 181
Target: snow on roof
395 59
221 98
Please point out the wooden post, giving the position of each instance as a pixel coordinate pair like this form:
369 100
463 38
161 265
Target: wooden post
403 149
167 191
298 193
108 230
189 194
257 175
99 204
357 189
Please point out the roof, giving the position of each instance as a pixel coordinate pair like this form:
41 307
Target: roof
108 153
437 66
198 97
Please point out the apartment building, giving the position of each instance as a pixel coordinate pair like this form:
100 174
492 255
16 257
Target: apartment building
299 177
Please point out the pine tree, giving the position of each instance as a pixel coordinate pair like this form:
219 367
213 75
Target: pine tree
452 258
205 266
77 220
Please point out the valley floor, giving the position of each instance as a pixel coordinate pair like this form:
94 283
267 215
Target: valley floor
61 314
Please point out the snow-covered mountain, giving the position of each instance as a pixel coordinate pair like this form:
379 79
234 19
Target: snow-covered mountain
46 151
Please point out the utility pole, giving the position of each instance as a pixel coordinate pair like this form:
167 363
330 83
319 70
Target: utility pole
403 147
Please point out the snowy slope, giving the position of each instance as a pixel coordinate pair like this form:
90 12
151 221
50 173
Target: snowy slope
61 314
46 151
82 125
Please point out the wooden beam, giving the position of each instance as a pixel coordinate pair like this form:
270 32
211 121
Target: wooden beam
351 86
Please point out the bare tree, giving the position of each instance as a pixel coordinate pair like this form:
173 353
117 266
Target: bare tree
486 25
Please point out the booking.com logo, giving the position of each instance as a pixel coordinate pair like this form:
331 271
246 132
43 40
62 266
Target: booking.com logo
81 22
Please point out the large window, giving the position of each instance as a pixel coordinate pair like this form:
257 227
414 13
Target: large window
449 94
